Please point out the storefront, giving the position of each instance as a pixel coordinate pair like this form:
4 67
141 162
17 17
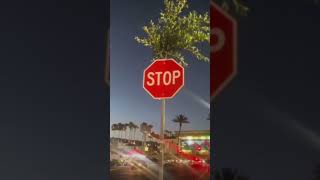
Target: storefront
195 142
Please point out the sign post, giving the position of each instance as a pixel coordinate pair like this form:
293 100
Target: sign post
162 129
162 80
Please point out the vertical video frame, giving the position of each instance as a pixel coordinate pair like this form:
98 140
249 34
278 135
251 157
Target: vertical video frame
159 89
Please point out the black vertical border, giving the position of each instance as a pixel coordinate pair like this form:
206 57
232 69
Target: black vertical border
107 90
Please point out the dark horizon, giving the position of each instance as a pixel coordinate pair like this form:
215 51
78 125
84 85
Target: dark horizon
266 120
54 104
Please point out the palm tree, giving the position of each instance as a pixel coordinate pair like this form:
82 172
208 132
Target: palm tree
181 119
143 130
125 127
149 128
122 128
119 126
131 126
114 127
135 127
229 174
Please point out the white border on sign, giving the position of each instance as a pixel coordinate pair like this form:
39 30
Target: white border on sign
159 98
235 50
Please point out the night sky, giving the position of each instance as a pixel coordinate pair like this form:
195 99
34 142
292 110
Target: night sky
129 101
53 100
267 121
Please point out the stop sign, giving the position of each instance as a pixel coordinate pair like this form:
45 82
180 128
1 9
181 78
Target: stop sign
163 78
223 54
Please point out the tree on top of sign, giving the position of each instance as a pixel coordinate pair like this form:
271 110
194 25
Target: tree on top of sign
175 32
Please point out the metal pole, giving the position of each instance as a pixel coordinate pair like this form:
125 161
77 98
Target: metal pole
163 126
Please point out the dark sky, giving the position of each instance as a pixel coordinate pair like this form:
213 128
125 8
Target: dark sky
267 120
53 103
129 101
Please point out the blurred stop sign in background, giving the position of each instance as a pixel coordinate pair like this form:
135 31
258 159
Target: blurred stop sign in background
223 40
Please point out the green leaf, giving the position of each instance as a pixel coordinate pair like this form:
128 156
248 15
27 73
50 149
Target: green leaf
175 33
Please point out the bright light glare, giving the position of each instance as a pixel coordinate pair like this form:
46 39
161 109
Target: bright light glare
189 142
198 99
139 156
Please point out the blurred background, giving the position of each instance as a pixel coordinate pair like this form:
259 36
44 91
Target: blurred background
266 121
53 100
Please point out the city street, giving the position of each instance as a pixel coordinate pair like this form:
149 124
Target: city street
174 172
124 173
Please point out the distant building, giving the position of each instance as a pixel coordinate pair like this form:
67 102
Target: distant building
195 142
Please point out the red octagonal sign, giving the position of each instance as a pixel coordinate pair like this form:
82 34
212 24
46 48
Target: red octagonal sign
163 78
223 66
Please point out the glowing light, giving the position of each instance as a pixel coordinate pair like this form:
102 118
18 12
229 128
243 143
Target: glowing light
189 137
204 137
198 99
186 151
190 142
196 137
